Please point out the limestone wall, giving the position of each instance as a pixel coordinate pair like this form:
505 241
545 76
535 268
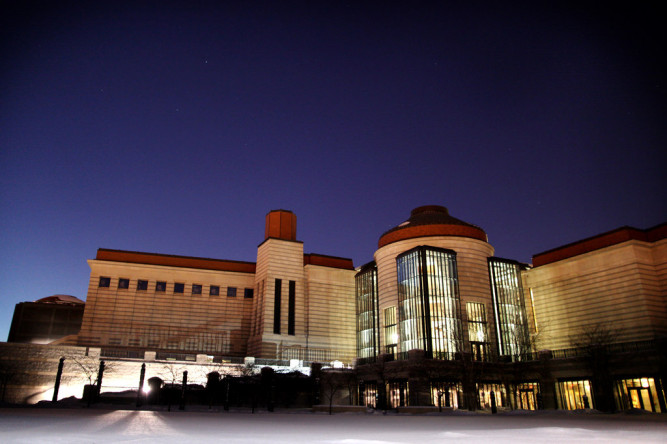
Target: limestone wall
129 317
621 287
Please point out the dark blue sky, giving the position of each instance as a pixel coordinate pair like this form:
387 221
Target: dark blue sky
174 127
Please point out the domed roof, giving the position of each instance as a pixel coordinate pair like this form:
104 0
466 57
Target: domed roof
431 220
61 299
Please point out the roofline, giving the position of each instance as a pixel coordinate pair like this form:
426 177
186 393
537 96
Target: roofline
523 265
600 241
328 261
431 230
171 260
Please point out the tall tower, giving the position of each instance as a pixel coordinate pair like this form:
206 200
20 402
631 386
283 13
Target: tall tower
279 317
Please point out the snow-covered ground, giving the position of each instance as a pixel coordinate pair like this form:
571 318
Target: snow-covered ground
33 425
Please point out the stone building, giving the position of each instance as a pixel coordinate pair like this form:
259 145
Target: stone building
441 320
46 320
436 319
287 305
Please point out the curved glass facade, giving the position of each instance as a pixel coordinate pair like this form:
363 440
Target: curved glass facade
368 342
508 305
429 313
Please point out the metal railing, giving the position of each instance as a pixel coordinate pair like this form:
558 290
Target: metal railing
623 347
119 353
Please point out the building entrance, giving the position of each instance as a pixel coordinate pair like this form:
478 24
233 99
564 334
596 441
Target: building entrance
640 399
640 393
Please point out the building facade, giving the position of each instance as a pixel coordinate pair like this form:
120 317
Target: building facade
442 321
287 305
46 320
435 319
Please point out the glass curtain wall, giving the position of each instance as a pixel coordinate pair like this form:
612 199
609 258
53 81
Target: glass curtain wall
509 308
477 335
429 313
390 333
368 341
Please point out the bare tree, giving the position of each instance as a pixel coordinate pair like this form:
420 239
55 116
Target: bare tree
171 374
384 371
91 368
332 381
87 365
595 337
592 343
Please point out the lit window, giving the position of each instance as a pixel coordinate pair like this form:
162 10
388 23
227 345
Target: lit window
214 290
429 316
123 283
231 292
160 286
104 281
196 289
390 332
142 285
368 341
477 330
179 287
508 304
248 293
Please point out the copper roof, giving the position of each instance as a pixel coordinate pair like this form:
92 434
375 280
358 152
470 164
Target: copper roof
600 241
60 299
431 220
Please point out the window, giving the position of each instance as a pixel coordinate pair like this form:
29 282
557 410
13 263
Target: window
429 313
160 286
196 289
368 340
123 283
390 332
477 330
291 308
276 306
638 393
142 285
179 287
574 395
508 305
248 293
214 290
231 292
104 281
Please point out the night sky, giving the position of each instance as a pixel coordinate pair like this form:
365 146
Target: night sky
174 127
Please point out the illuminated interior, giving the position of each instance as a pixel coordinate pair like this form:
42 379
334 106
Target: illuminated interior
477 335
574 395
526 395
429 305
509 308
446 394
638 393
367 312
484 395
